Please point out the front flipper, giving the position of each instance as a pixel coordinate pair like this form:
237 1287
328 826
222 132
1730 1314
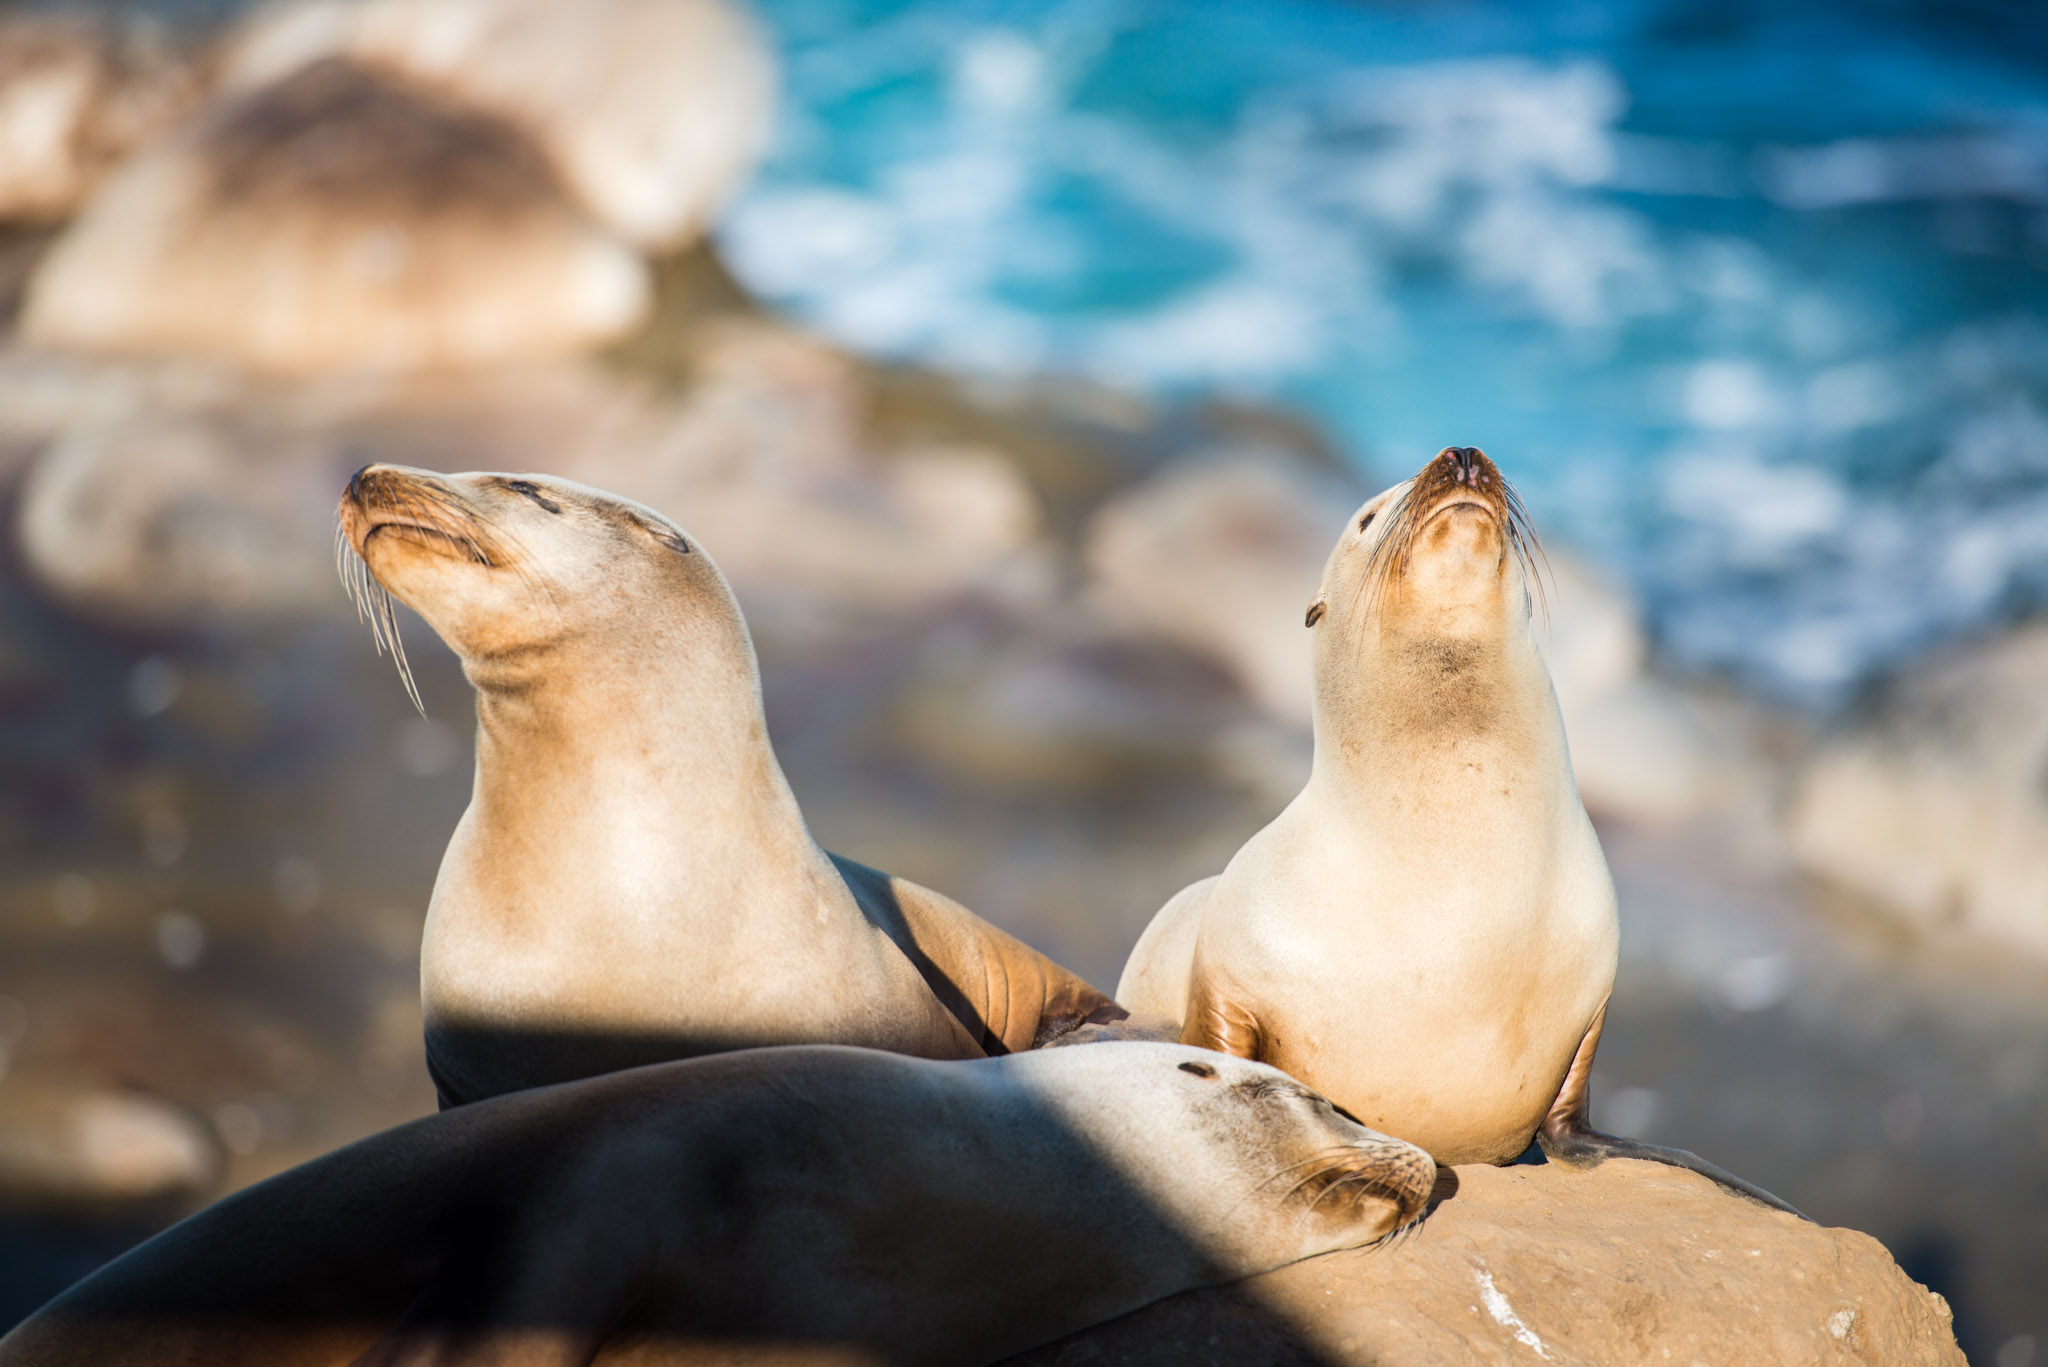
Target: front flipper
1009 996
1216 1020
1569 1139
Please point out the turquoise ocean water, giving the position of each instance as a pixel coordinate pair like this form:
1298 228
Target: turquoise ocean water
1747 297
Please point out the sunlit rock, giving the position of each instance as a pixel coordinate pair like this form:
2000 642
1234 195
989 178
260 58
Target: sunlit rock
73 99
653 111
170 494
93 1147
1591 630
1936 804
764 457
340 218
1223 556
161 516
1067 703
167 493
1644 747
1630 1262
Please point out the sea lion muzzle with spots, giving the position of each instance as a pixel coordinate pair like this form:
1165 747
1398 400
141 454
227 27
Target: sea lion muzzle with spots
1427 934
633 880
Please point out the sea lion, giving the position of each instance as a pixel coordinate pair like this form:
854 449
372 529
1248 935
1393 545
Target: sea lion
1428 932
633 880
860 1205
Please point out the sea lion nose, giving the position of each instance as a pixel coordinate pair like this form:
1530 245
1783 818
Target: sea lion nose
370 479
1468 465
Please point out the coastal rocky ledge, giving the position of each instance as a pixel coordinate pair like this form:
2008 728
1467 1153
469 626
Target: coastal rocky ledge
1935 802
1630 1262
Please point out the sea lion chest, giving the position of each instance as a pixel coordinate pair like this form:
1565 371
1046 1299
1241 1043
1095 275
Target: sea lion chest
1433 984
539 964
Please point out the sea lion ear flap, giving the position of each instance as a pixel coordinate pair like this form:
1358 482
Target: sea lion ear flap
1315 612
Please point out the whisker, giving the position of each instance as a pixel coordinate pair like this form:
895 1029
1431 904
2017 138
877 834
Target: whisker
375 605
1390 556
1320 1156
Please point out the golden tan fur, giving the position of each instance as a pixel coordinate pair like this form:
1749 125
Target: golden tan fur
1427 932
633 879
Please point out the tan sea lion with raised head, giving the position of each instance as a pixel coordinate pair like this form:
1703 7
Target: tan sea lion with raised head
633 880
1427 934
805 1204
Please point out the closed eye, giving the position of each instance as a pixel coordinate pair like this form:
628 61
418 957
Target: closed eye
1365 521
532 491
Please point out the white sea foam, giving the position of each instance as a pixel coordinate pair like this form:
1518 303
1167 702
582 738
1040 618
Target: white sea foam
1809 468
1725 393
2009 163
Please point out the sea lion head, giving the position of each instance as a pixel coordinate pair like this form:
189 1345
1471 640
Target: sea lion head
1432 580
1255 1168
503 566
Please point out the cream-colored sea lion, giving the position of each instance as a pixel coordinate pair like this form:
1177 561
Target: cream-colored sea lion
1428 932
633 880
861 1206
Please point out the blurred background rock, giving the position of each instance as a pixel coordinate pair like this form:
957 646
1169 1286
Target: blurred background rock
1020 363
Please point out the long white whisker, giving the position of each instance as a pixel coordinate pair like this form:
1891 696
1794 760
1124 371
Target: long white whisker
375 605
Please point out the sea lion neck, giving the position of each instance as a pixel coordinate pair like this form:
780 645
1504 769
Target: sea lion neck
585 722
1407 701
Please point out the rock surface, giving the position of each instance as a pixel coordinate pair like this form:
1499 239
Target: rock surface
72 1146
765 456
1644 747
340 218
652 111
1937 804
1224 556
1629 1263
1064 704
159 493
73 98
159 517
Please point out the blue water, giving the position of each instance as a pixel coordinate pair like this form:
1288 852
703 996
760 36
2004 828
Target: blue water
1747 297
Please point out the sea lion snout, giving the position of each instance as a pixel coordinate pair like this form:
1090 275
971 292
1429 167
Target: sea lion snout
372 489
417 503
378 485
1461 506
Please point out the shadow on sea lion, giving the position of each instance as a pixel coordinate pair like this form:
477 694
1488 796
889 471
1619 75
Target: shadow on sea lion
804 1204
1428 933
633 880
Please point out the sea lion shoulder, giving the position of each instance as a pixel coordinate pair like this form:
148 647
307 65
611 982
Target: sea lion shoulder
1155 977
